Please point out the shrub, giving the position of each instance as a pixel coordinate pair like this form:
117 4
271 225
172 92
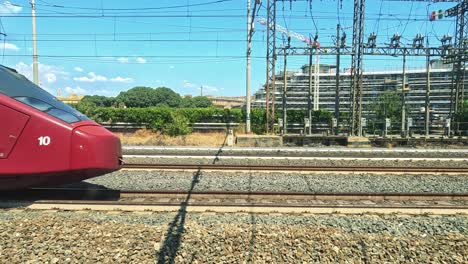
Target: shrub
178 125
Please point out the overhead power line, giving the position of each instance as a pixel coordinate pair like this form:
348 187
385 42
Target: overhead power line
136 40
135 8
132 56
200 16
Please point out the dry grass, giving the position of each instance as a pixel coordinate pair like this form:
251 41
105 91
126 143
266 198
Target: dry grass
146 137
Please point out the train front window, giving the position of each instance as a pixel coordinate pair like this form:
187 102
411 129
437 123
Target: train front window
62 115
47 108
38 104
20 88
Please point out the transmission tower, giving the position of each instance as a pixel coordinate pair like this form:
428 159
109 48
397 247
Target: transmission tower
459 56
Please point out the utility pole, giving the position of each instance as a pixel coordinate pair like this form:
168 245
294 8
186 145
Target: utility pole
403 101
337 80
428 93
201 90
316 80
35 64
309 98
247 74
285 89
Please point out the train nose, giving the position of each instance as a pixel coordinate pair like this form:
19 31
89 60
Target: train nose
94 147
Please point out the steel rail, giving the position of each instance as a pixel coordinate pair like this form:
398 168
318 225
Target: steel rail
242 202
291 168
300 196
106 194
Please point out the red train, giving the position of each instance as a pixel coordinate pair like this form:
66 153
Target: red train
46 142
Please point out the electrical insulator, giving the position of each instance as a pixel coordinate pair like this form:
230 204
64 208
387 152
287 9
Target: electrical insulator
418 41
371 40
316 44
395 41
446 41
343 40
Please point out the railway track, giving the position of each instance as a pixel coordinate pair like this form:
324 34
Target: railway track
292 168
237 202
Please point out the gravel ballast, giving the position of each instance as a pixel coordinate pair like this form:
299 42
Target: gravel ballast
300 161
100 237
280 182
297 152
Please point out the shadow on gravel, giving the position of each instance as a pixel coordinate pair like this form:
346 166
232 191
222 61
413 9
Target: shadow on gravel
77 191
172 238
253 227
220 150
307 181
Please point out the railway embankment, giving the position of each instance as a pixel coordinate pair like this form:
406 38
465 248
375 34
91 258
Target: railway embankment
78 237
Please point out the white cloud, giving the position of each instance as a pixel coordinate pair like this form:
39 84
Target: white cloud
48 74
93 77
78 69
188 84
209 88
8 46
172 67
51 77
8 8
122 60
206 88
121 80
141 60
76 90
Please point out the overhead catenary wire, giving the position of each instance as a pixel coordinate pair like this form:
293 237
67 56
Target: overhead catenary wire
113 15
408 20
101 9
389 18
130 56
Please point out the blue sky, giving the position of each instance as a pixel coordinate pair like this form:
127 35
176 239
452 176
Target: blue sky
105 47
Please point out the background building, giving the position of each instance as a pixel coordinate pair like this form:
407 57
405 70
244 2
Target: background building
374 85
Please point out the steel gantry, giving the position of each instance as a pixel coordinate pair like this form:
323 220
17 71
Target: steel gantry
270 65
356 67
378 51
455 54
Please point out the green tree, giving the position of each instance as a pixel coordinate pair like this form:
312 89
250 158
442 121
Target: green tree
138 97
186 102
85 107
462 116
99 100
166 97
387 105
148 97
201 102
